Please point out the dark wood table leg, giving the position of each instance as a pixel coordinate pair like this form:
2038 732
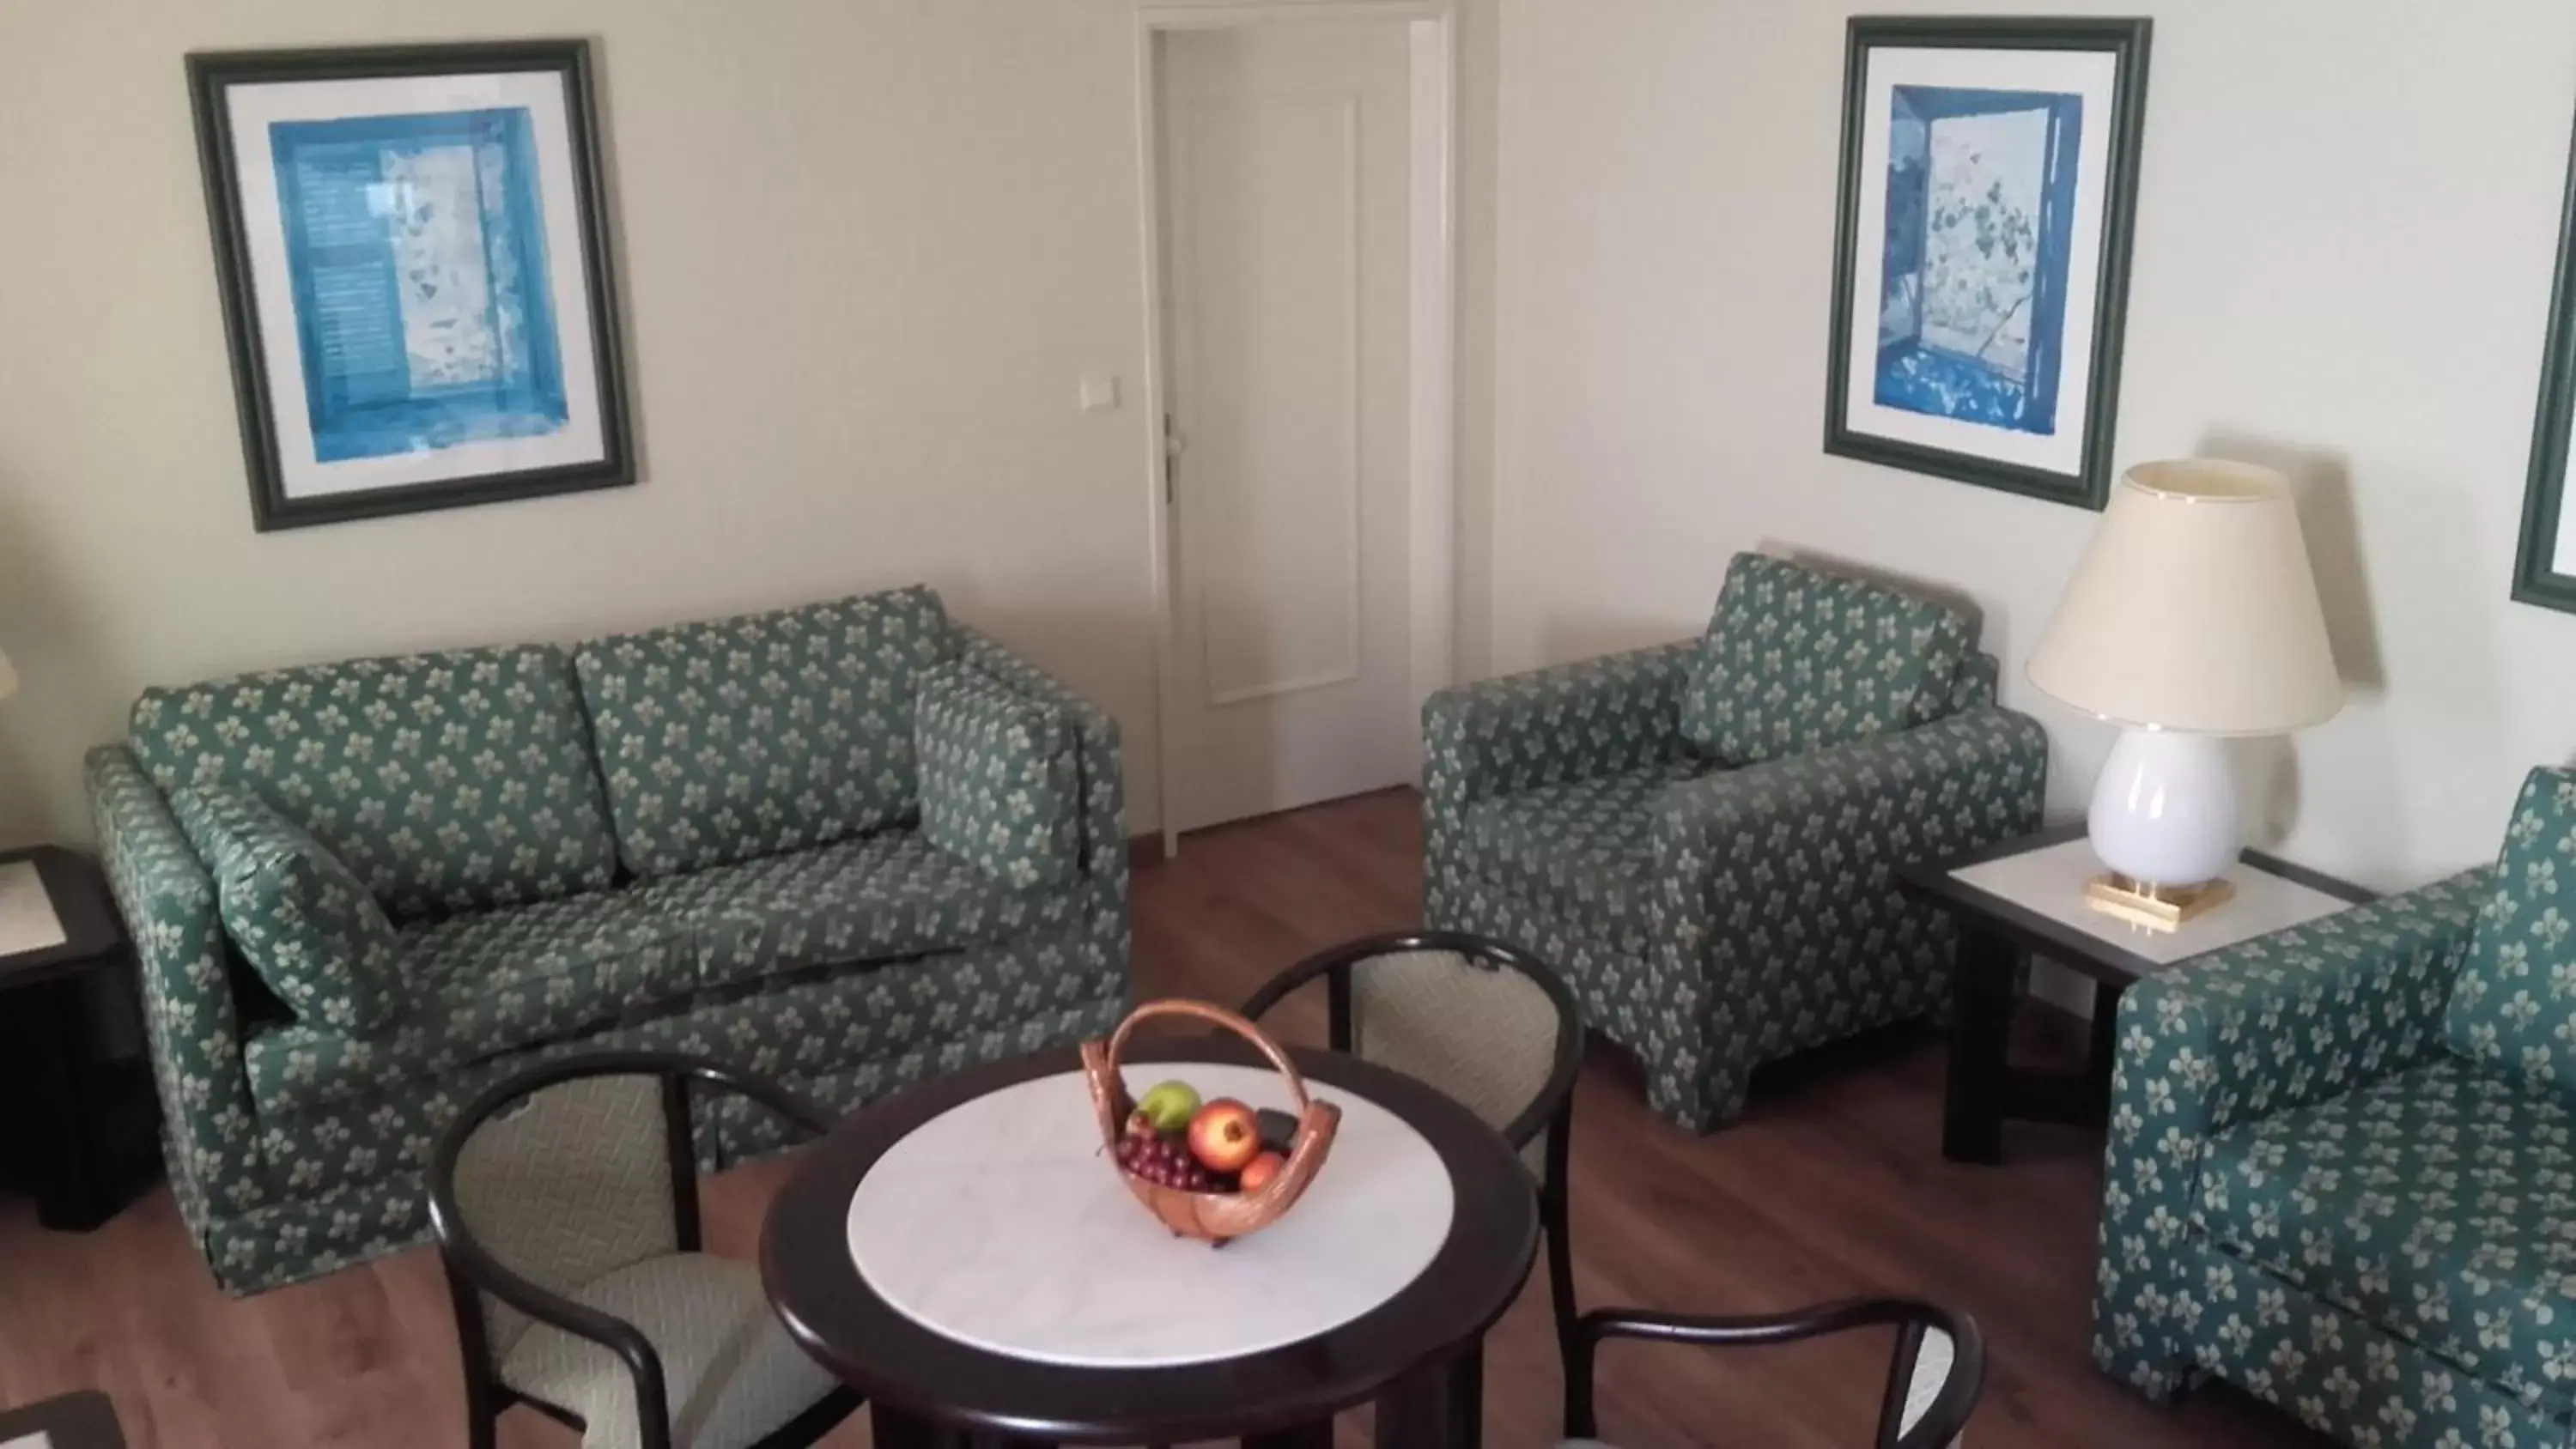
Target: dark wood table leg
1318 1435
72 1190
1983 996
2106 1044
892 1428
1440 1407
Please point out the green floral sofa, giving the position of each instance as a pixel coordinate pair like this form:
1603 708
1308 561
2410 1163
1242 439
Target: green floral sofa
2342 1166
1704 835
848 846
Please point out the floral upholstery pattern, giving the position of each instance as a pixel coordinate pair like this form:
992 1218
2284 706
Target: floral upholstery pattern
2514 1006
2436 1202
295 1147
997 777
448 782
1796 661
302 921
762 733
1584 850
1710 921
2305 1194
483 985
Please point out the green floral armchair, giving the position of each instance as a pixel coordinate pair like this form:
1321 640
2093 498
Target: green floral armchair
2342 1165
1703 835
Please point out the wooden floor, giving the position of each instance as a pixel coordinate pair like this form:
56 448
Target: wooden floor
1833 1185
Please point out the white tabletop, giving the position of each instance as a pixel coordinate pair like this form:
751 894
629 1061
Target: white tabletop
1002 1224
2050 881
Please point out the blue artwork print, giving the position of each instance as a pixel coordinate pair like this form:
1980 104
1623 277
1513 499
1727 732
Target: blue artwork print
416 249
1980 211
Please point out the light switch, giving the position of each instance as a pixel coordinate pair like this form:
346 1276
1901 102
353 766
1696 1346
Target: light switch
1099 392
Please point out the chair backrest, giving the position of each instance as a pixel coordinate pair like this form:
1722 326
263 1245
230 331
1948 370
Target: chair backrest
571 1171
1486 1023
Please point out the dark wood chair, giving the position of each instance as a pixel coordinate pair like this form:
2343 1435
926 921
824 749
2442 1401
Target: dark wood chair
1932 1385
1487 1023
566 1206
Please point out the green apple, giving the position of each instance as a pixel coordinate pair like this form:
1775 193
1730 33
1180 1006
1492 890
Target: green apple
1169 1105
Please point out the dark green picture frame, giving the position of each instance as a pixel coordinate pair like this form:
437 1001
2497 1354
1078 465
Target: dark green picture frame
211 75
2128 40
2536 576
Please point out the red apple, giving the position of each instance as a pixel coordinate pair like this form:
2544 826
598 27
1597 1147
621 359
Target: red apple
1257 1173
1225 1135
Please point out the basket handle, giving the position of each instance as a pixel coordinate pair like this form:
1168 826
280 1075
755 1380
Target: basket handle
1109 1089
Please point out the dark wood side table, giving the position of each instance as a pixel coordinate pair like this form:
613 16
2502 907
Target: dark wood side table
2023 898
82 1119
85 1420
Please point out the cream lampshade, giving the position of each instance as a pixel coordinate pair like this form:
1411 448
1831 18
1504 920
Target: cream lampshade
2192 616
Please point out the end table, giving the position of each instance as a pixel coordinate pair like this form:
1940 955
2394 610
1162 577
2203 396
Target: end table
83 1120
2025 898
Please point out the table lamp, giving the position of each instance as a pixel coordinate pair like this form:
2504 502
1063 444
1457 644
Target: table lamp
2192 617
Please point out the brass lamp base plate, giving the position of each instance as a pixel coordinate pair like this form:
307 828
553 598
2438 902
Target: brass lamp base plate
2158 908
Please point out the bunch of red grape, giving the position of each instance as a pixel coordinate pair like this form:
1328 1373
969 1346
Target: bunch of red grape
1161 1160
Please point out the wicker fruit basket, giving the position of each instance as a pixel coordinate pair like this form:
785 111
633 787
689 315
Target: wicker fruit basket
1213 1217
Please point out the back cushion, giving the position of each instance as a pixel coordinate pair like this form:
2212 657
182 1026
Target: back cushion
762 733
1797 661
446 782
2514 1004
310 929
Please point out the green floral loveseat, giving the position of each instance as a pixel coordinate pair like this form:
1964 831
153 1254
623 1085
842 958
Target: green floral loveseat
2342 1168
848 846
1704 835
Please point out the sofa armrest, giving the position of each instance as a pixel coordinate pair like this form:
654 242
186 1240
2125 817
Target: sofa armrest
1745 854
168 901
1551 726
2251 1031
1103 826
1000 785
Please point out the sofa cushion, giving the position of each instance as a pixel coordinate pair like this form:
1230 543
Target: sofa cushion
764 733
2515 998
1582 851
482 986
883 896
307 926
998 784
2439 1203
1797 661
447 782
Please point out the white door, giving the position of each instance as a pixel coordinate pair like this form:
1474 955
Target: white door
1285 154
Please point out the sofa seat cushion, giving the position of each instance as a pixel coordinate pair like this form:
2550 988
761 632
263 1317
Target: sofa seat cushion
448 782
1797 661
2511 1002
482 986
307 927
2439 1203
884 896
1583 852
761 734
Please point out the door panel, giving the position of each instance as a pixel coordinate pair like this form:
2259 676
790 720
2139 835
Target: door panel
1285 222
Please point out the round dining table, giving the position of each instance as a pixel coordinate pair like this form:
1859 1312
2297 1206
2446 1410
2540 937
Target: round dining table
965 1254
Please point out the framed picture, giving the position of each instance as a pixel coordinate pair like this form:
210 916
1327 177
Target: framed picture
2544 570
415 270
1981 272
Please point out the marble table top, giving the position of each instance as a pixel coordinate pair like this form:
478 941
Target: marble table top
1000 1223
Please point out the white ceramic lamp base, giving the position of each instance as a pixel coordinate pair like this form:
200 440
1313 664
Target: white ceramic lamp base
2164 820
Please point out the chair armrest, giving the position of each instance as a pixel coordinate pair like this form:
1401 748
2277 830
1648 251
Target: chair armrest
2251 1031
1550 726
1732 847
1102 787
168 902
1938 1423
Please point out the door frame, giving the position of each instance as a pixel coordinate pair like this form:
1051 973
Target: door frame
1431 513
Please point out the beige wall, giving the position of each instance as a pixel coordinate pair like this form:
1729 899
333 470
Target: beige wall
2342 266
867 250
